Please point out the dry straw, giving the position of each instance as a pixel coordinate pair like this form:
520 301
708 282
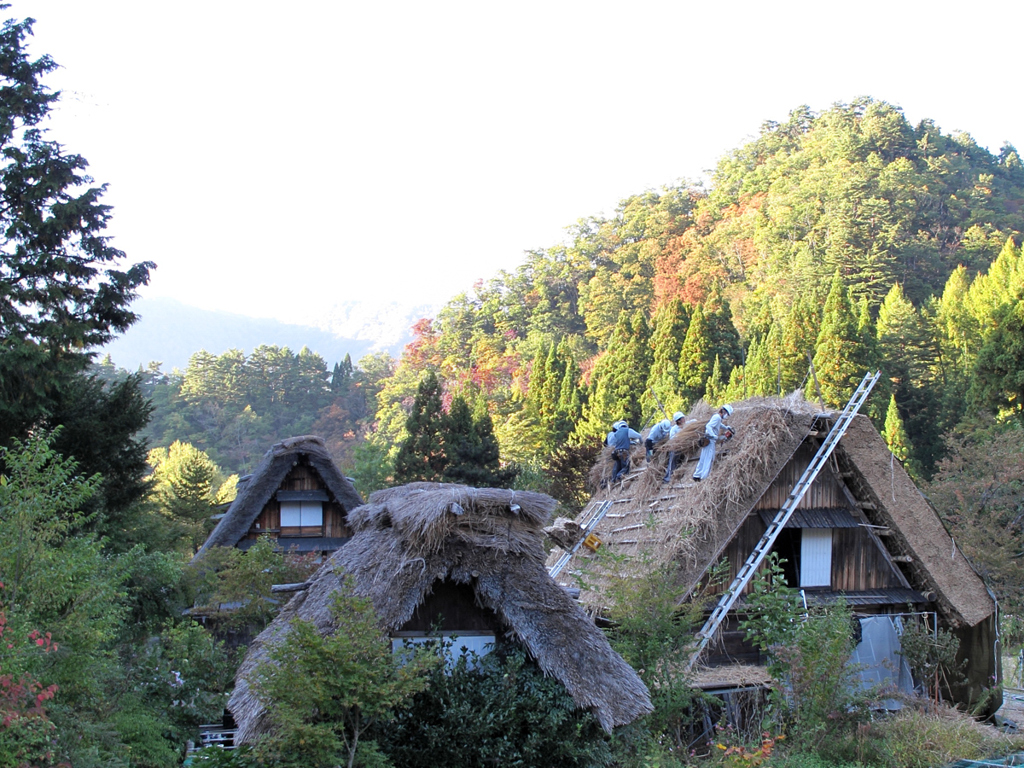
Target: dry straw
412 538
689 521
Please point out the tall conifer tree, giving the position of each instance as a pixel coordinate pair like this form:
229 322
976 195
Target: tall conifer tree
695 358
836 358
619 378
894 432
670 326
715 389
759 371
721 331
554 372
470 448
570 401
799 337
421 455
910 361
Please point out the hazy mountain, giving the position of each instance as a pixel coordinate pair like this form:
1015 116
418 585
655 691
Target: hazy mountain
170 332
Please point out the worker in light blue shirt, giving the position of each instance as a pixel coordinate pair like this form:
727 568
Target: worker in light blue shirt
659 432
713 432
677 424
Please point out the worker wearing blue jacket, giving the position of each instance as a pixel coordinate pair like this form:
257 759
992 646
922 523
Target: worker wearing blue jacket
619 440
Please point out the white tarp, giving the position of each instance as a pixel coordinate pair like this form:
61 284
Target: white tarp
878 659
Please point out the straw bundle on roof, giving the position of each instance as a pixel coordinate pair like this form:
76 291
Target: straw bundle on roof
408 539
687 521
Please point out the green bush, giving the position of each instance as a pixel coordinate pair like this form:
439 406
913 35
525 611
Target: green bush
324 693
499 709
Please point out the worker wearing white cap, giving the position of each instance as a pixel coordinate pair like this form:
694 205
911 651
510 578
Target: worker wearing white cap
659 433
677 424
712 433
619 440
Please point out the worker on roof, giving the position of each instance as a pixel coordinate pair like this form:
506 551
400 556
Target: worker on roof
658 434
677 424
619 440
713 432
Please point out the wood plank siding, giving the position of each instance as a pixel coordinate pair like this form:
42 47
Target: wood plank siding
302 477
858 562
824 493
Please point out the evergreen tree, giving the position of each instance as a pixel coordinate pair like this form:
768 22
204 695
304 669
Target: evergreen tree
868 333
421 455
670 326
894 433
62 291
188 487
998 384
99 426
632 369
909 362
715 388
341 377
538 380
554 371
1001 284
619 379
836 358
799 337
695 358
759 373
736 389
471 449
959 330
570 402
722 333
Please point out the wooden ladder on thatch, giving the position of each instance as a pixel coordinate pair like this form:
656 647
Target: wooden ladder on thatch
746 573
592 515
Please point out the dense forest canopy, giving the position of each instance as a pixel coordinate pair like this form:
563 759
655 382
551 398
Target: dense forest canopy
849 238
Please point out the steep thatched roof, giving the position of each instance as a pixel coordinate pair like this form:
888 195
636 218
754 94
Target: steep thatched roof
409 538
267 478
692 523
937 563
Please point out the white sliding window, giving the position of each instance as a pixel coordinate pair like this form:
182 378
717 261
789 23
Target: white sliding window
816 557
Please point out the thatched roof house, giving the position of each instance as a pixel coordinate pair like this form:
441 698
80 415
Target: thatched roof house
471 560
863 530
296 495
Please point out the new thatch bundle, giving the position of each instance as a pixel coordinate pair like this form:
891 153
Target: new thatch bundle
410 538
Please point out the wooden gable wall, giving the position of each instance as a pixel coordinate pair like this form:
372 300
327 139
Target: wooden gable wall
301 477
859 562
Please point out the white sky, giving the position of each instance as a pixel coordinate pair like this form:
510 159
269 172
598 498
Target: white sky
269 156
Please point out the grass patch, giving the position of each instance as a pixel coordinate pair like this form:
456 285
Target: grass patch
923 739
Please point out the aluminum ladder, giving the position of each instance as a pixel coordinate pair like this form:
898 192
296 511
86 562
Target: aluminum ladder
746 572
593 514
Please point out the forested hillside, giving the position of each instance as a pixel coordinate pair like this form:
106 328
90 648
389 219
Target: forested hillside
850 238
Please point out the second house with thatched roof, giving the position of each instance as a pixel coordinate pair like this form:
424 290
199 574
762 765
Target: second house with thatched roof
297 496
862 531
459 562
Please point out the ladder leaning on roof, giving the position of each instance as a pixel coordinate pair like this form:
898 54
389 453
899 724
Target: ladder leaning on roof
746 572
592 515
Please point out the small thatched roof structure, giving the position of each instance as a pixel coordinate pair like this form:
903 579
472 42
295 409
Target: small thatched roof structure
409 539
692 523
265 480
